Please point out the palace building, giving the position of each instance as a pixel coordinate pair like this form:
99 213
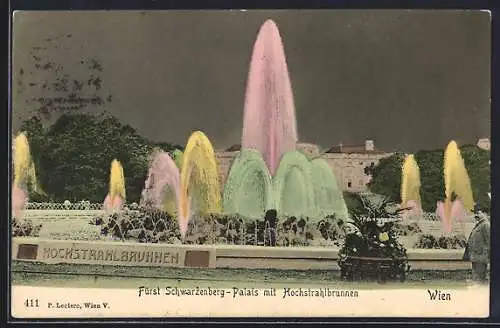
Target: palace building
347 162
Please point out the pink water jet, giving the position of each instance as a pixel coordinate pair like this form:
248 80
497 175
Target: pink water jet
18 200
112 203
412 208
164 172
269 123
455 210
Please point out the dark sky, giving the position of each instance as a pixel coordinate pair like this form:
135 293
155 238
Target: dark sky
407 79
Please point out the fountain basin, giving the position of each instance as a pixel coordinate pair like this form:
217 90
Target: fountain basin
208 256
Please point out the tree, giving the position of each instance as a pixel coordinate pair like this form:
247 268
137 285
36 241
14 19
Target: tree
353 201
73 156
477 162
432 186
46 86
386 177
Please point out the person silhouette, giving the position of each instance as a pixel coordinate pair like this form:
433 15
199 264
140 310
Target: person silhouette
270 218
477 250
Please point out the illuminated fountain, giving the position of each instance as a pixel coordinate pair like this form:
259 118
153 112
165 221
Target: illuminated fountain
200 187
458 191
410 187
162 188
24 174
187 184
269 172
269 123
116 195
248 188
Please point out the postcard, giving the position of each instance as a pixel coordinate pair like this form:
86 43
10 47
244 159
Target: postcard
250 163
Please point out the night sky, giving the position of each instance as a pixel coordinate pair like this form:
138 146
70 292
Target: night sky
407 79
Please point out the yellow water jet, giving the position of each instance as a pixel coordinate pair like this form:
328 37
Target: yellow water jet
456 177
24 174
456 180
24 168
199 179
116 180
410 181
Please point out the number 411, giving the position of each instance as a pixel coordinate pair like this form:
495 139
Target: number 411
31 303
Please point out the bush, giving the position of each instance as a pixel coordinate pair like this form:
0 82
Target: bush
153 226
146 226
407 229
428 241
373 235
25 228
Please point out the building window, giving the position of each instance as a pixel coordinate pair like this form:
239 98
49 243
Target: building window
372 163
349 184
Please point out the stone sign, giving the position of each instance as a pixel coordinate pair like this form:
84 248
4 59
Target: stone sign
112 253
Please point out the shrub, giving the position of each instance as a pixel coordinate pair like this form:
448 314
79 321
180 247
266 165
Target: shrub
407 229
428 241
152 226
373 234
25 228
146 226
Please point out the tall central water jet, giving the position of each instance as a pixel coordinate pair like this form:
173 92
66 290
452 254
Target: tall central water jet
116 195
199 189
269 124
410 186
457 184
24 174
269 172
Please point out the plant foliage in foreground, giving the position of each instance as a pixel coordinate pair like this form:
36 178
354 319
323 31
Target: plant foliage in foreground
154 226
371 247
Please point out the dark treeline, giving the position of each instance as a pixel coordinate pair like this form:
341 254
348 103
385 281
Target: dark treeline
73 156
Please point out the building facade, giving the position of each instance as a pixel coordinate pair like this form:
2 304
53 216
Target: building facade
347 162
484 143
